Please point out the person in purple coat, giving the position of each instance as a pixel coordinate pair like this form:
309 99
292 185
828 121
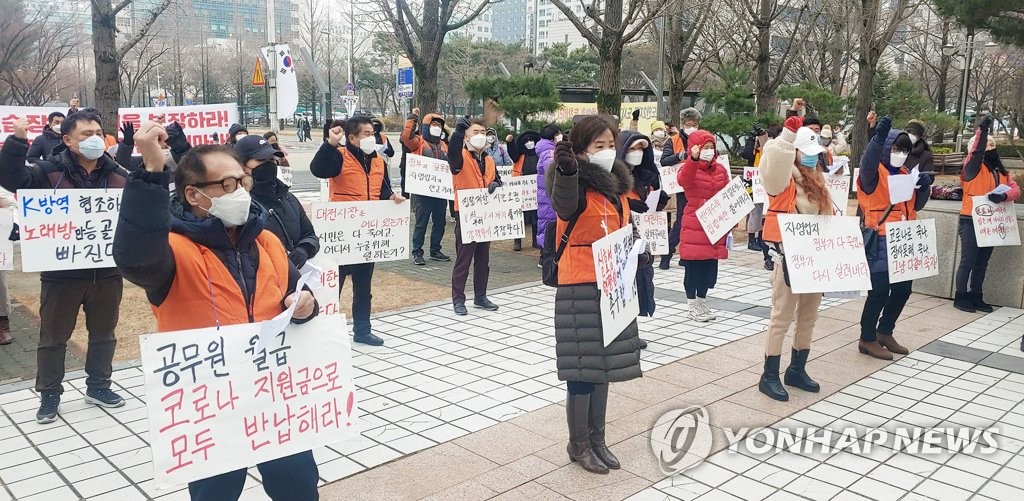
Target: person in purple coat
545 149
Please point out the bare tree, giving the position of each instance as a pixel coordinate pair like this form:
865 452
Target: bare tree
32 51
683 58
137 63
830 60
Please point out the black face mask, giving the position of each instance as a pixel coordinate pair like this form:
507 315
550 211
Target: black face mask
265 171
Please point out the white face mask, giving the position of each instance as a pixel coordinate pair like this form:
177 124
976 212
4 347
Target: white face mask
92 147
897 159
435 131
55 129
231 208
368 144
558 138
634 157
914 138
603 159
707 155
490 139
529 145
689 130
659 134
478 141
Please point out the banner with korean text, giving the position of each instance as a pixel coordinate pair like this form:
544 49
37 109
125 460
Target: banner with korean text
217 404
486 217
912 250
36 116
824 253
995 225
728 207
199 122
526 186
428 177
615 265
362 232
6 245
68 229
653 228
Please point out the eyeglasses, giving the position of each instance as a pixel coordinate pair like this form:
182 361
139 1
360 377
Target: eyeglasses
229 184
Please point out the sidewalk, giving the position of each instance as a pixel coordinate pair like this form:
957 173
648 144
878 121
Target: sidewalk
470 408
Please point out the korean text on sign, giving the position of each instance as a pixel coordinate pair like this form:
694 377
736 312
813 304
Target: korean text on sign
36 116
912 250
824 253
199 122
68 229
527 188
669 181
486 217
362 232
752 175
615 265
995 225
429 177
653 228
839 191
730 205
216 404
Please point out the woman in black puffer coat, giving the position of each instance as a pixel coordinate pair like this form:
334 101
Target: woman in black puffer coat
589 184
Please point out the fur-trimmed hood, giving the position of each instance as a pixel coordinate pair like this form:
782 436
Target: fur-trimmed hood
610 184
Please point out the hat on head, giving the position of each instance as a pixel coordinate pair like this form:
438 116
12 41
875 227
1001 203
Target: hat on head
812 121
807 142
638 139
915 127
826 131
658 125
255 147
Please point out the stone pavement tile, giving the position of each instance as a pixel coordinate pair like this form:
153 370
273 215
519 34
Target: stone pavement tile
749 353
681 375
636 457
648 390
844 368
469 490
798 399
378 484
717 361
575 483
530 492
503 443
540 421
440 467
620 406
726 414
516 473
741 380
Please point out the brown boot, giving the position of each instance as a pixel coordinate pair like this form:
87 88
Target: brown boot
890 344
874 349
5 331
577 410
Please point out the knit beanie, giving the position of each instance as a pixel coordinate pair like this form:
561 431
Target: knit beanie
915 127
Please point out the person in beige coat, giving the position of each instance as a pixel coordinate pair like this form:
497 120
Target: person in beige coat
795 184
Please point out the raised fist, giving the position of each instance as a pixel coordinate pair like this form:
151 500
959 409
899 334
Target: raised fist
336 136
21 128
636 114
565 158
798 104
148 141
416 111
128 133
463 123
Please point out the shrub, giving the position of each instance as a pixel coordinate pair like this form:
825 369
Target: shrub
942 150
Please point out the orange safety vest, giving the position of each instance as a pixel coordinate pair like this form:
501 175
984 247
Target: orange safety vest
982 184
469 177
204 294
577 263
677 144
353 184
783 203
874 205
517 168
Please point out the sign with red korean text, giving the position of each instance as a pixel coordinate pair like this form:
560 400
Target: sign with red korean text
6 245
199 122
615 264
824 253
428 177
752 175
362 232
669 181
68 229
995 225
912 250
728 207
839 191
653 228
486 217
527 188
36 116
216 404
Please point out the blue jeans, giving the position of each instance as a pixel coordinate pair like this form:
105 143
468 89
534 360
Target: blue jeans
427 209
291 478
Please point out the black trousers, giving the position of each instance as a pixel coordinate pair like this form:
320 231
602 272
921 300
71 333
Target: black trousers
699 277
59 302
973 259
428 209
362 277
477 254
291 478
673 234
884 299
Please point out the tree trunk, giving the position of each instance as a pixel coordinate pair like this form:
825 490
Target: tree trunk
426 87
676 64
762 83
867 64
609 91
108 82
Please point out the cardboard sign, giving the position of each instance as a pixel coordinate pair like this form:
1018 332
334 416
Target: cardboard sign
653 228
6 245
912 250
486 217
995 225
68 229
429 177
362 232
728 207
527 188
669 181
216 404
824 253
615 264
753 176
839 189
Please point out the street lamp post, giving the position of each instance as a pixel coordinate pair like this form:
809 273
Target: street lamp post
965 83
329 113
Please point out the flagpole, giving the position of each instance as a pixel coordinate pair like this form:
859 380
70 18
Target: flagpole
272 68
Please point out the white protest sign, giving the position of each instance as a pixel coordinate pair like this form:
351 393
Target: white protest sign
325 190
68 229
653 228
216 404
428 177
669 181
901 186
326 287
527 188
362 232
753 176
199 122
824 253
6 245
613 261
285 175
912 250
838 162
839 190
718 215
486 217
995 225
36 116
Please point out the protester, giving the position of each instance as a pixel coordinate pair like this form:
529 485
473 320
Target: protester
43 144
885 156
588 185
355 171
285 215
271 137
7 201
384 147
636 152
659 136
674 153
428 143
921 154
173 147
495 150
983 172
168 254
471 168
236 132
795 185
523 152
550 134
702 176
74 106
79 162
752 154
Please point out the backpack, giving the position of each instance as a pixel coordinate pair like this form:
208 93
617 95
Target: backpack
549 255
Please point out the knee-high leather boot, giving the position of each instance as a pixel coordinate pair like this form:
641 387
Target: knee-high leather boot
577 411
598 411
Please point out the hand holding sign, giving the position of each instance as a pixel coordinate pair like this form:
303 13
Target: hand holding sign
304 304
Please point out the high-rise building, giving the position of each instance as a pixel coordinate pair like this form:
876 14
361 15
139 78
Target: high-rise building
509 21
222 19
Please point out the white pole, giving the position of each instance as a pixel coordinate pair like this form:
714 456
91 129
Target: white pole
272 66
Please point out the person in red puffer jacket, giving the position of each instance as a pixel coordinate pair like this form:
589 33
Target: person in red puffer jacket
702 176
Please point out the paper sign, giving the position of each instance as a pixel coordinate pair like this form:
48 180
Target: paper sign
285 175
995 225
486 217
429 177
838 162
856 175
824 253
912 250
315 282
216 404
362 232
527 188
619 302
669 181
753 176
325 190
68 229
839 190
271 328
653 228
652 201
6 245
901 187
1001 189
728 207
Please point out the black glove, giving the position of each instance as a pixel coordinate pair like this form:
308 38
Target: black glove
565 158
986 124
926 179
759 129
493 186
636 114
997 198
638 206
298 257
882 129
463 123
128 132
378 126
15 233
176 138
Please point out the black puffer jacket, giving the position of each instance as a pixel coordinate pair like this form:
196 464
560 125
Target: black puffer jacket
285 217
43 145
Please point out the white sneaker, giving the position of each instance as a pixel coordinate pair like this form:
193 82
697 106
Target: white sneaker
700 311
708 312
691 310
